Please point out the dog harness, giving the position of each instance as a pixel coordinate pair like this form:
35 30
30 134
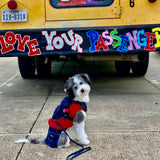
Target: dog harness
64 115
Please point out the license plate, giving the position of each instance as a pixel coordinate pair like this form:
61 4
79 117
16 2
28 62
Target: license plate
18 15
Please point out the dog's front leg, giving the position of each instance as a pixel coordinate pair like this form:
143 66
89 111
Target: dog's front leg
79 124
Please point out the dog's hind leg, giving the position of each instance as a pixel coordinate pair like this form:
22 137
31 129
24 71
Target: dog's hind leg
67 144
63 141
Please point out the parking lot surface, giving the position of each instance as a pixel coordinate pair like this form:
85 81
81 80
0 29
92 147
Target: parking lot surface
123 113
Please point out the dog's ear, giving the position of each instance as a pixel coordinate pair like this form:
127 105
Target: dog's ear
68 87
68 84
86 78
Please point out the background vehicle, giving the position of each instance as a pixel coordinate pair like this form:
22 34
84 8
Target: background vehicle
39 32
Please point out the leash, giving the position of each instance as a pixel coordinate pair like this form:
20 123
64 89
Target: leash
77 153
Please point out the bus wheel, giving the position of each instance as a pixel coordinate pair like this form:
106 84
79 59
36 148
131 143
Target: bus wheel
123 67
26 66
140 68
43 65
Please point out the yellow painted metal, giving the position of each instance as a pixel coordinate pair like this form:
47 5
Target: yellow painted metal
42 15
35 10
81 13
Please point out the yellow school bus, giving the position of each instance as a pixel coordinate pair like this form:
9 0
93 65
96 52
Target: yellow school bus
38 32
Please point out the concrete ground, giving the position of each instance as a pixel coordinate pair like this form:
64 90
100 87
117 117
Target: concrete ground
123 120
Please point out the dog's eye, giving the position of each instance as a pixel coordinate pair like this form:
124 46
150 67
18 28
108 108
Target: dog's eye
75 87
81 83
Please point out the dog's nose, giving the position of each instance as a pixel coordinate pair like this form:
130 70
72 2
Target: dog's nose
82 90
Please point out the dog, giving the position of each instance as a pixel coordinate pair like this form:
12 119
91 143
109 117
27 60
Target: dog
71 112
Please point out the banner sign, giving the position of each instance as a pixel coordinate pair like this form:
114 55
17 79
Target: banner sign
104 40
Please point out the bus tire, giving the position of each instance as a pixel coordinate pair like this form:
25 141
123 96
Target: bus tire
26 66
43 65
123 67
140 68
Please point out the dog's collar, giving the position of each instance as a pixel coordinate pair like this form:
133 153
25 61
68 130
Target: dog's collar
77 102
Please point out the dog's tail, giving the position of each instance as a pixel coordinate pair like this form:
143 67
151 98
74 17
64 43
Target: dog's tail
33 141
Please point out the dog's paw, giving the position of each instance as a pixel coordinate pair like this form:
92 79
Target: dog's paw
85 142
67 145
64 146
85 136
